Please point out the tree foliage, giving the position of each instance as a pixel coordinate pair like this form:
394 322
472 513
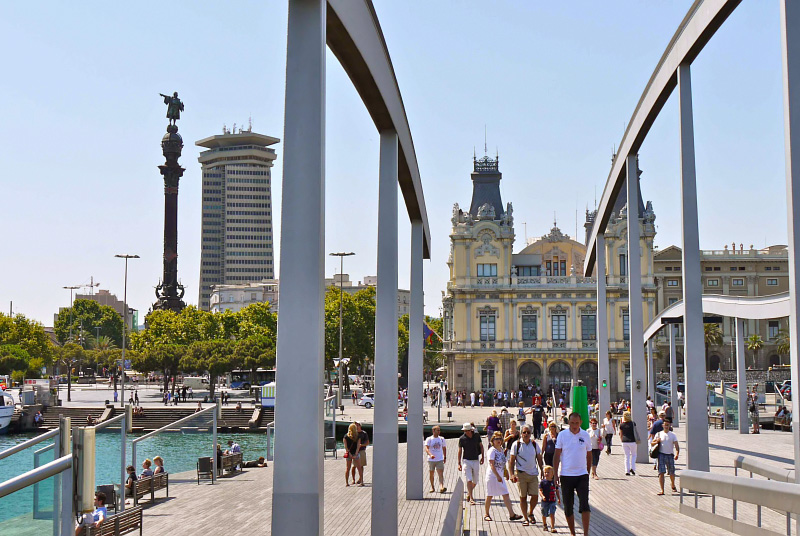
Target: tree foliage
783 342
358 327
83 318
28 335
754 343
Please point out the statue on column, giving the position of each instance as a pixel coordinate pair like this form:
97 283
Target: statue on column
174 107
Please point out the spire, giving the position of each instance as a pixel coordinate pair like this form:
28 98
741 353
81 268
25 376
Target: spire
486 200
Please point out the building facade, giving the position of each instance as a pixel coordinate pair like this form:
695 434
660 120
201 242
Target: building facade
529 318
734 272
236 232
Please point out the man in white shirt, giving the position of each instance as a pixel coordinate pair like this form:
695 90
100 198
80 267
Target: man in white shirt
574 455
668 450
436 449
524 463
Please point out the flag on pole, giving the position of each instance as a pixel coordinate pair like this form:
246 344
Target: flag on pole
427 332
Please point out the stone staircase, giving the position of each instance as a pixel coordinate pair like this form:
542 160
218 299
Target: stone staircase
50 415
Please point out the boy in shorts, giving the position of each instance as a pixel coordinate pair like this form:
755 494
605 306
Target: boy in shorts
549 493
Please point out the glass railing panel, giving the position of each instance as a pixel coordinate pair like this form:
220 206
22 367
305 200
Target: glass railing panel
21 515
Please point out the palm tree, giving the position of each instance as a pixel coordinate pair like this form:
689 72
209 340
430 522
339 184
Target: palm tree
713 337
103 343
754 343
783 343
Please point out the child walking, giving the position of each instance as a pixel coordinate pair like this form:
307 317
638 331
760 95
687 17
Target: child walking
549 493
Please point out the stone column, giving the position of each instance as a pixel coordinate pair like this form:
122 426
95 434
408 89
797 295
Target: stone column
635 320
693 338
384 469
604 393
297 496
416 350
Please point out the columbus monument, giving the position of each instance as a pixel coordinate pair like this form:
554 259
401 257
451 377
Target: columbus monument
169 291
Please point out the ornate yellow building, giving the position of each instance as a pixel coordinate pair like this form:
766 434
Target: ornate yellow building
529 318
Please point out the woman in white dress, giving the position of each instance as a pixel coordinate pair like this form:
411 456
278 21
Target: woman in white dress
495 477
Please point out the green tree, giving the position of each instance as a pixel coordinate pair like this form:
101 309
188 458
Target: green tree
713 337
214 357
28 335
432 356
86 315
783 343
165 358
13 358
754 343
254 352
358 327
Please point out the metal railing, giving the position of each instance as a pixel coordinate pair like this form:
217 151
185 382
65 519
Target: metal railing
29 443
758 467
214 412
270 439
62 468
778 496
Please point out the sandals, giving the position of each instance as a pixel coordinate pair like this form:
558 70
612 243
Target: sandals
525 523
472 502
674 489
515 517
487 518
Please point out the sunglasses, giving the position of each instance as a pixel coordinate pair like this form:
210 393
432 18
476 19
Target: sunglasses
526 433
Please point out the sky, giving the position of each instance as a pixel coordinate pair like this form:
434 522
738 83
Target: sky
549 86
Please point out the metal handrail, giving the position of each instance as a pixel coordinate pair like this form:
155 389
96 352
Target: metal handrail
29 443
35 475
173 424
100 426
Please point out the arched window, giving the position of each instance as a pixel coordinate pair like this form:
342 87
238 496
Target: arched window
530 373
560 374
713 362
774 360
587 373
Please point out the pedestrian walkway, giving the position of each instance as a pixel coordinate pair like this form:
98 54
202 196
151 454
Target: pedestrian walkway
621 506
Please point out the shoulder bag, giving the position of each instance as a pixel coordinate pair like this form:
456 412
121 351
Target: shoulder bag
636 433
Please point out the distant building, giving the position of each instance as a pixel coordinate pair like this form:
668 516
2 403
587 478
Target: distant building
104 297
236 297
236 231
733 272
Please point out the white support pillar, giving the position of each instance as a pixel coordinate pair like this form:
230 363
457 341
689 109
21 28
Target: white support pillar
414 435
635 320
741 378
603 393
651 372
790 47
297 497
673 377
384 486
694 368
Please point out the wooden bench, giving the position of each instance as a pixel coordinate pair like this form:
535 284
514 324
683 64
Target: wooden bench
122 523
717 420
149 485
230 461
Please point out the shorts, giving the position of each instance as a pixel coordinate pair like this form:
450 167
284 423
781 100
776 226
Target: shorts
666 463
596 456
362 458
528 484
548 508
570 485
436 465
472 470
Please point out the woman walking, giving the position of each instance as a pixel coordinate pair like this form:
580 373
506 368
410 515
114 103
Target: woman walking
610 430
496 478
596 436
511 435
352 445
549 443
628 436
492 425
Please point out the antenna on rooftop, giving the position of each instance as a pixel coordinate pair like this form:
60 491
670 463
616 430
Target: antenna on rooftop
485 149
224 128
250 124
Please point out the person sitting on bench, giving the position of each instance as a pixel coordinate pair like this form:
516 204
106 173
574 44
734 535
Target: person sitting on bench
96 518
129 482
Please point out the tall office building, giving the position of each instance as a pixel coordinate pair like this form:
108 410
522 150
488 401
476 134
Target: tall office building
237 210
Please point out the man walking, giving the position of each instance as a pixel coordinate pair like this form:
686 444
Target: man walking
505 420
574 455
658 426
524 463
668 450
470 449
436 449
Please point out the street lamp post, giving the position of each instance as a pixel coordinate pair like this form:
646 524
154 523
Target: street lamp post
124 322
69 364
341 256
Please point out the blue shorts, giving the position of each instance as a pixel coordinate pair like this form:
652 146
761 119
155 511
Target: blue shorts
666 463
548 508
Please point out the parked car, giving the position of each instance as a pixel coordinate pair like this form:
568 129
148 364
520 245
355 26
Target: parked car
664 387
368 401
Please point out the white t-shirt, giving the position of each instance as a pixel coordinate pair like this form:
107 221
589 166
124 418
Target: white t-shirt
436 447
596 436
668 441
608 425
526 456
573 452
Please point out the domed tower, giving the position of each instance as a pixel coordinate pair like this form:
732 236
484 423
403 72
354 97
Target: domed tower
169 291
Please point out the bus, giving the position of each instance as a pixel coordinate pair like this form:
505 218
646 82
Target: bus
244 379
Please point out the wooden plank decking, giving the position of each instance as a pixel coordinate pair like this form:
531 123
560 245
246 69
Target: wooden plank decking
621 506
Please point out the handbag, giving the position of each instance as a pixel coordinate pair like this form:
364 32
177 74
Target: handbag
655 450
346 454
636 433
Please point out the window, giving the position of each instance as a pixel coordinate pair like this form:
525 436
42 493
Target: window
772 282
668 269
559 327
623 264
626 328
528 270
768 268
672 300
487 326
717 268
529 332
588 327
737 282
487 270
672 282
708 268
563 267
733 268
548 265
712 282
487 377
773 328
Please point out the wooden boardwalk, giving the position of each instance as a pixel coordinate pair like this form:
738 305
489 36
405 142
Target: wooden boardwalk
621 505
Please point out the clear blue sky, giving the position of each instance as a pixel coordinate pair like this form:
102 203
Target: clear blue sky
553 83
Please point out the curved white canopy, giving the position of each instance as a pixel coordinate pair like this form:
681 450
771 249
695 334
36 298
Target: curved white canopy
750 307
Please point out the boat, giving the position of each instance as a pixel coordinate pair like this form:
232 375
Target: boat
6 410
